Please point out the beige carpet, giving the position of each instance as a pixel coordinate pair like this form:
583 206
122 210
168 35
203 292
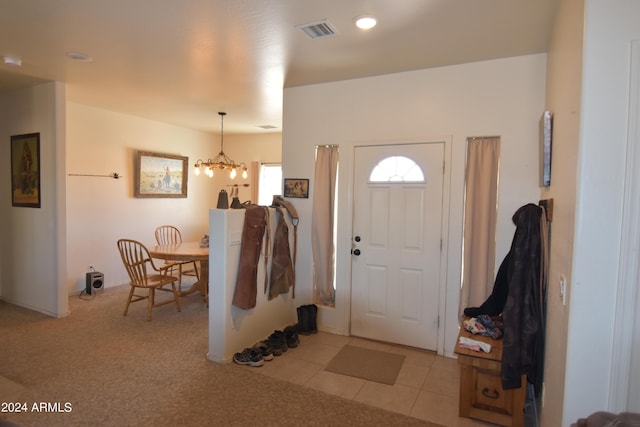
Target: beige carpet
125 371
372 365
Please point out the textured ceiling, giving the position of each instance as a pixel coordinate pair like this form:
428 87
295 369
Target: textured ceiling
183 61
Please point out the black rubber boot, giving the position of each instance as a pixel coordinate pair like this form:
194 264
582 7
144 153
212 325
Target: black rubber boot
312 314
307 319
300 327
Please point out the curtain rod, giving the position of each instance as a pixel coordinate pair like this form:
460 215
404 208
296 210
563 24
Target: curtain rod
113 175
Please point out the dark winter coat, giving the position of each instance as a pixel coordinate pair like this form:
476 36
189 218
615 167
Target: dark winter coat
523 314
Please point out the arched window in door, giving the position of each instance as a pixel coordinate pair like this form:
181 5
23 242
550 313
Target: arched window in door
396 169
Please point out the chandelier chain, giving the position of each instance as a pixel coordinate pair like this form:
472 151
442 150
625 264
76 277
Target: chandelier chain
221 161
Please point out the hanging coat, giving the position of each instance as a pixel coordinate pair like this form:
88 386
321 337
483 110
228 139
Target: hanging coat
255 223
282 274
523 314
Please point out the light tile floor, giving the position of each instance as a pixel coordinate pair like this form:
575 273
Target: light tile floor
427 386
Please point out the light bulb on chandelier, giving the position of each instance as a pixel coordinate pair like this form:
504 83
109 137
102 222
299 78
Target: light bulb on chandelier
221 161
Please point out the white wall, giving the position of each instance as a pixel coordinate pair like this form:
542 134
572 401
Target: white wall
502 97
32 240
231 329
102 210
609 29
81 217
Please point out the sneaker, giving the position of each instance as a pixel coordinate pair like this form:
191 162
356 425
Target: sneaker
278 339
264 351
248 356
291 336
275 348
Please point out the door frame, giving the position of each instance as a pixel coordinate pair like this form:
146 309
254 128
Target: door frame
345 229
628 295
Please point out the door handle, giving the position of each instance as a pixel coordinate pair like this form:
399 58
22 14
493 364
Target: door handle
355 252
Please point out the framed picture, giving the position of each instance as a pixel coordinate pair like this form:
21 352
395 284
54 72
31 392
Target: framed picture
25 170
160 175
298 188
546 133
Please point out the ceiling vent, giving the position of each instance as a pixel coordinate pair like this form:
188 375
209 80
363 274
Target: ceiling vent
319 29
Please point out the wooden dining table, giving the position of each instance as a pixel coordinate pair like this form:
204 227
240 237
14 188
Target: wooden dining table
187 251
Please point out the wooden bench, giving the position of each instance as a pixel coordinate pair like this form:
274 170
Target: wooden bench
481 394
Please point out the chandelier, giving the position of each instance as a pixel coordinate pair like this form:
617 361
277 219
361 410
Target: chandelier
221 161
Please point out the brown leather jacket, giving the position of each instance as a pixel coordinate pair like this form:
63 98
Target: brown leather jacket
255 223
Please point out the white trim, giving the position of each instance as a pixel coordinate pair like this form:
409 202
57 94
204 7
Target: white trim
628 273
444 252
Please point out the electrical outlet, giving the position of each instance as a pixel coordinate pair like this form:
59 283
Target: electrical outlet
563 289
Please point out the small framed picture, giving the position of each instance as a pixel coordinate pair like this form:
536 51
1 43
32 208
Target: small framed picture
160 175
546 134
25 170
296 188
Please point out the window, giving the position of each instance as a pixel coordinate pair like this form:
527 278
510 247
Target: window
269 183
396 169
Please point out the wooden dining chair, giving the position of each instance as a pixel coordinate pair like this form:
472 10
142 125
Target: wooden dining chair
145 275
170 235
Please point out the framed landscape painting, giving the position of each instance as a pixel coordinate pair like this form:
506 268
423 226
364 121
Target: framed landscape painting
25 170
160 175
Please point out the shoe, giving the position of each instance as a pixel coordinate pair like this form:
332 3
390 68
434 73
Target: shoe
248 356
291 336
274 348
264 351
278 339
274 344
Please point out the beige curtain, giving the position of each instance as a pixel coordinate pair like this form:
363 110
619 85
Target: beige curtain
254 176
322 224
480 213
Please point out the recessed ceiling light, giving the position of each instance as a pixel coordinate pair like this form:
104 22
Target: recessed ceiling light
79 57
12 60
365 22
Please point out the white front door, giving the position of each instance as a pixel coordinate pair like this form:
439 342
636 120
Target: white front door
396 244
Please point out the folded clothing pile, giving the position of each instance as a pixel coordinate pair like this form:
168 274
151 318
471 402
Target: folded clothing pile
484 325
474 345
